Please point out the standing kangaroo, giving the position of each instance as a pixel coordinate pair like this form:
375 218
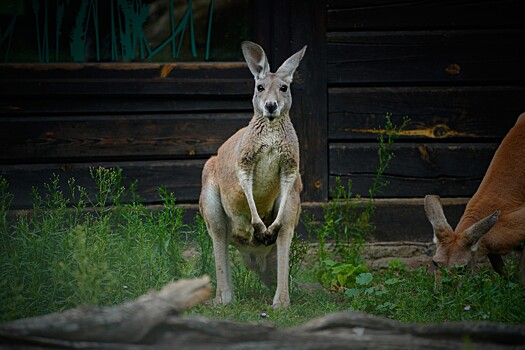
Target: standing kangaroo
250 190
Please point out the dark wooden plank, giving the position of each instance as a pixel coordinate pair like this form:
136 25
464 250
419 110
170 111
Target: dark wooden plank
121 79
84 138
417 169
282 30
396 14
399 219
65 88
124 71
426 56
53 105
307 27
182 177
473 113
409 187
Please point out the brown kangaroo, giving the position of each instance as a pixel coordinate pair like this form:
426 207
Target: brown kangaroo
494 220
250 189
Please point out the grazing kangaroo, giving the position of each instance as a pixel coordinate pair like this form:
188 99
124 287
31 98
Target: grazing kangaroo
494 220
250 189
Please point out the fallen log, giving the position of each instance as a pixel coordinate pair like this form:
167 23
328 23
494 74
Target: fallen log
152 322
127 323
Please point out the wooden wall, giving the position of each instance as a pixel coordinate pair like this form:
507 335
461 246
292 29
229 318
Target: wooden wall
455 68
158 122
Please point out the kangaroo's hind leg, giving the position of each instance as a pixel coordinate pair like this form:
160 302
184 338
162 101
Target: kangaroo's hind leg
217 224
282 259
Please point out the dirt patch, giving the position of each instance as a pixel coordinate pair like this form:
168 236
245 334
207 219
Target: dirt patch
412 254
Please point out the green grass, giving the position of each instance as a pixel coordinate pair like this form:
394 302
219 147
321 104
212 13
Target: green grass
76 248
104 248
403 295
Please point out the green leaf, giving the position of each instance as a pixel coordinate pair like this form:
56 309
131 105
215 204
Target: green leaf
342 279
352 292
392 281
364 279
370 290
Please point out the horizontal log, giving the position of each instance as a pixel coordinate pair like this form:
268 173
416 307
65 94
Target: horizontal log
418 169
116 104
408 187
34 87
182 177
125 79
124 71
127 323
426 56
414 159
145 323
388 14
473 113
102 137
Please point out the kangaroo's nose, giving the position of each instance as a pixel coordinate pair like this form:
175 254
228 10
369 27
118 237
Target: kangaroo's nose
270 106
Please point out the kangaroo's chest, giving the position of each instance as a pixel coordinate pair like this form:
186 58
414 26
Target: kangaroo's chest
266 174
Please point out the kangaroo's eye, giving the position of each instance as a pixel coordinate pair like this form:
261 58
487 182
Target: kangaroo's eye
260 88
284 88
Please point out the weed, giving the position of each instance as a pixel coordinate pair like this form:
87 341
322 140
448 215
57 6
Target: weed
205 264
76 247
336 275
347 220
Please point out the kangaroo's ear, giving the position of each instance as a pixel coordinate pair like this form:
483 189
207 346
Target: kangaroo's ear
287 69
256 59
480 228
437 218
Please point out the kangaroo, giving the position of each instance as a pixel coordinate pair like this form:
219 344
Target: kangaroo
494 220
250 196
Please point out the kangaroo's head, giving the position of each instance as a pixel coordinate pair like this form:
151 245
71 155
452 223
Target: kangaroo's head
455 248
272 97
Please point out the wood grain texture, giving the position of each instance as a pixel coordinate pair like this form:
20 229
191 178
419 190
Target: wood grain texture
100 137
442 56
345 15
125 79
146 323
182 177
440 113
44 106
417 170
128 322
283 31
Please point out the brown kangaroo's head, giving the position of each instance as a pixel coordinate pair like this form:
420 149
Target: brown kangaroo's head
455 248
272 97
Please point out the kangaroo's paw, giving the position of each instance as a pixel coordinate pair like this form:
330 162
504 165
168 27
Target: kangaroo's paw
260 232
269 237
272 233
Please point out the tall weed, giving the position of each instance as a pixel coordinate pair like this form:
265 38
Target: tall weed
347 219
86 248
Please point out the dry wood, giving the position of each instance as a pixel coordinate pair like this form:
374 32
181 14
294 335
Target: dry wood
125 323
151 322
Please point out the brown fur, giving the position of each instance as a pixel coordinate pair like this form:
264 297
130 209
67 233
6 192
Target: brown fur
494 220
250 190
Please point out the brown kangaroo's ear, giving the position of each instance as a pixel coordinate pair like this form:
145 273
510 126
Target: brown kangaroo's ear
480 228
287 69
437 218
256 59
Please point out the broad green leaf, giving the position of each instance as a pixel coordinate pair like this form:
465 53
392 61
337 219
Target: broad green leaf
364 279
